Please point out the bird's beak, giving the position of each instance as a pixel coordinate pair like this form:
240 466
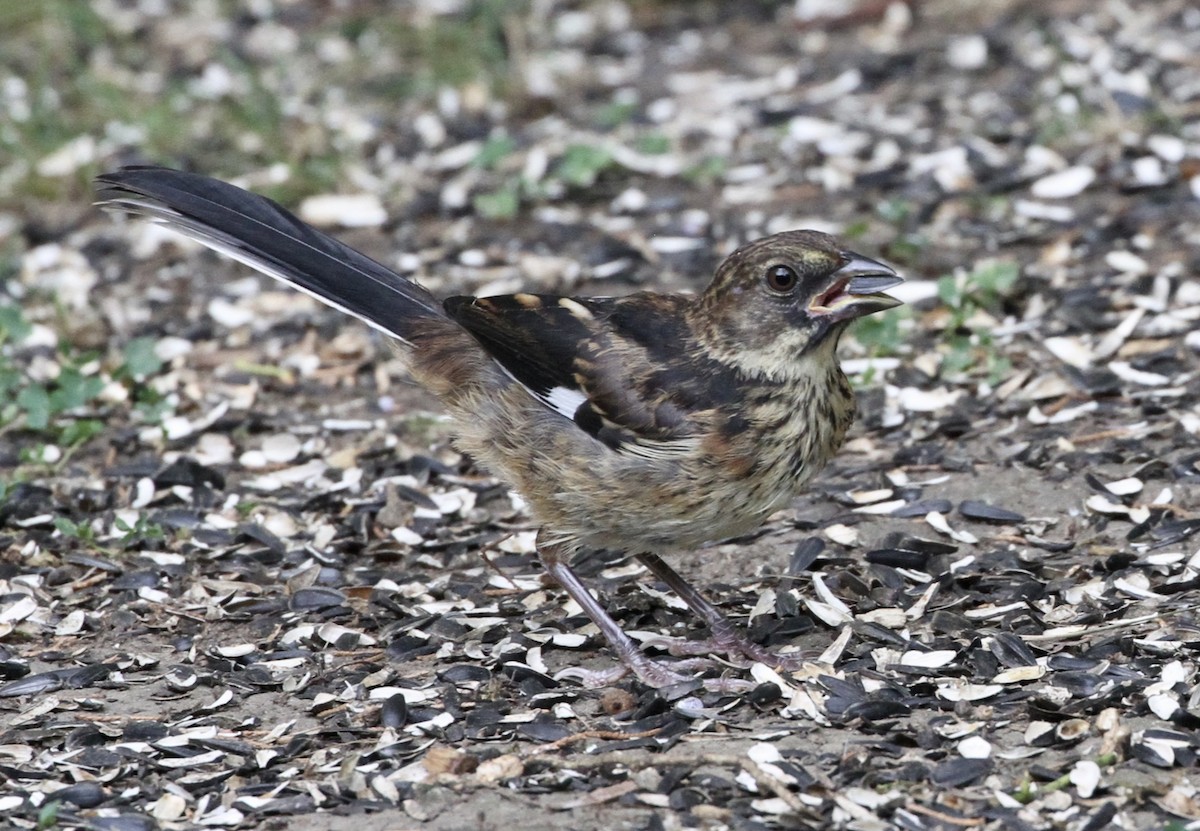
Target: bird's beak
856 290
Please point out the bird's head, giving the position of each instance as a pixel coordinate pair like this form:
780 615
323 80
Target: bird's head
786 297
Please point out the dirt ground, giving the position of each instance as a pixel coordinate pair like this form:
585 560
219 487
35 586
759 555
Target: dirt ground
247 582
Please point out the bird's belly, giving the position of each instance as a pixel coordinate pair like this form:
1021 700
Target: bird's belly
655 506
586 494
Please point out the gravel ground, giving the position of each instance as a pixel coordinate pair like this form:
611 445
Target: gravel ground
246 581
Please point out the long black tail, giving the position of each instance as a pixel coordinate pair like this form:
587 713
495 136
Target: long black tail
263 235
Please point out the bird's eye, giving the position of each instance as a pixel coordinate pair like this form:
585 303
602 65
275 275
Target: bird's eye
782 278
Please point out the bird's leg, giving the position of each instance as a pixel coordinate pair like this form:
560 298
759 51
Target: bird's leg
648 671
726 638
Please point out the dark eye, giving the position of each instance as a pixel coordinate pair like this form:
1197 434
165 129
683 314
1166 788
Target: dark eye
781 278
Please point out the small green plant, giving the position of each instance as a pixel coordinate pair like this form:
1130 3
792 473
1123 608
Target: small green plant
582 164
495 150
502 203
652 144
579 166
881 335
245 508
894 211
48 815
967 348
55 409
906 248
615 114
142 529
82 531
707 171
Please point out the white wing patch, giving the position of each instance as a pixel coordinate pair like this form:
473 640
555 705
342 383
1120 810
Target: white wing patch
564 400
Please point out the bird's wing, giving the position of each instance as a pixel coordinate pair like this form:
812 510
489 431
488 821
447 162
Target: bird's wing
625 370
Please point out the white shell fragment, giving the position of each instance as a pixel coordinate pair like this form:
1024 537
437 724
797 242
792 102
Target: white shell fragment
1124 487
1063 184
842 534
280 448
975 747
1018 675
1085 776
935 659
363 210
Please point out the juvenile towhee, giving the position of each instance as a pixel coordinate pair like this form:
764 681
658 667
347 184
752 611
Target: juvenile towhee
643 423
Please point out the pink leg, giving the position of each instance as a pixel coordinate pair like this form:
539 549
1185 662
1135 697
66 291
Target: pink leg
649 672
726 639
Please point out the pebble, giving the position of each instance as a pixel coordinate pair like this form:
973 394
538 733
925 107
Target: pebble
967 52
70 157
974 747
169 348
1040 210
360 210
229 315
1170 149
917 400
1126 262
1149 172
61 271
1064 184
1070 350
1124 487
280 448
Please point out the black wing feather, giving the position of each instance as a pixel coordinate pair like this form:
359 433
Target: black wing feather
624 369
268 237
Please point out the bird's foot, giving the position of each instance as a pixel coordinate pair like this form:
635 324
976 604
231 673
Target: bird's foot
656 675
738 651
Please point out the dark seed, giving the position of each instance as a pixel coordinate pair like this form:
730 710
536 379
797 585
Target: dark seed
317 597
923 507
877 710
872 283
804 555
143 731
614 701
904 542
960 772
1011 651
13 669
896 558
465 673
765 694
394 712
254 531
83 794
973 509
544 731
1158 755
189 472
39 684
126 822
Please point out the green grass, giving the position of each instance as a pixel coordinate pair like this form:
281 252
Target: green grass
968 351
84 78
65 411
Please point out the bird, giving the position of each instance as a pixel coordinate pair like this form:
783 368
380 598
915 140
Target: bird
646 423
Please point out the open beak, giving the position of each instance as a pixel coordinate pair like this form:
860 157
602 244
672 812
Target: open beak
857 290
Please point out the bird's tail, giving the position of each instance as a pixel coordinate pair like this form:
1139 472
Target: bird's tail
262 234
